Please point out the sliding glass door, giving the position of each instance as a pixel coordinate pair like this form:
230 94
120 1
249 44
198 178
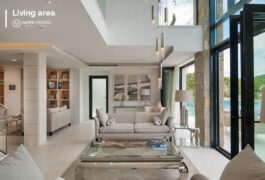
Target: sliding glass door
187 82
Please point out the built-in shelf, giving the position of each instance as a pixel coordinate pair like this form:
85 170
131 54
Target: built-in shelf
58 83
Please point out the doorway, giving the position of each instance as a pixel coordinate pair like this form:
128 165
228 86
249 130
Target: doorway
98 94
237 84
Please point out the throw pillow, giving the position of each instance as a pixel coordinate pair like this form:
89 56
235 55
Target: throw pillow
102 117
19 165
2 156
62 108
244 166
199 177
157 121
111 121
53 110
164 116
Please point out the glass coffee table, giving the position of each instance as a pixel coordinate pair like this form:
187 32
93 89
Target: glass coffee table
130 155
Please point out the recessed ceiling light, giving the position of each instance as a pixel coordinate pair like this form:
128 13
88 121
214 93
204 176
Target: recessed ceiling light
13 60
49 1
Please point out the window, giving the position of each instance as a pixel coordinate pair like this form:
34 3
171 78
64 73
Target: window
180 12
187 82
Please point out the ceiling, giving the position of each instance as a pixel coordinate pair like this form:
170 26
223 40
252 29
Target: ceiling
73 32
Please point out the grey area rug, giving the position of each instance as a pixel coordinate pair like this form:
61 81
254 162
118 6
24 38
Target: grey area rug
131 174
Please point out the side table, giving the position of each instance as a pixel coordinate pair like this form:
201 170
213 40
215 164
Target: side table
194 133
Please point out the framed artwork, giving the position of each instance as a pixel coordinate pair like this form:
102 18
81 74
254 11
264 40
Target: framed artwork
51 85
53 77
65 76
60 85
145 87
132 87
119 86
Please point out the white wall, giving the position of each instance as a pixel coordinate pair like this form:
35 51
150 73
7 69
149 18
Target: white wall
13 100
75 95
84 94
129 23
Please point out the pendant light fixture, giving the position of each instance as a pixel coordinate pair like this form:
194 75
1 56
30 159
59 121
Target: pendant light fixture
157 48
165 16
162 48
153 14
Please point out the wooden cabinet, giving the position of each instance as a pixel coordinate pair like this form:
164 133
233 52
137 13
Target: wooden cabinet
58 87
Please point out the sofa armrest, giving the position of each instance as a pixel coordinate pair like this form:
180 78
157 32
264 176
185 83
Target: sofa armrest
97 126
170 123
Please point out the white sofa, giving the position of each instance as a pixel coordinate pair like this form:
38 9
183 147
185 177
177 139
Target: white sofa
138 125
57 118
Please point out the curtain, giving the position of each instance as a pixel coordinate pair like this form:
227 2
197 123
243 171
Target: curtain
167 87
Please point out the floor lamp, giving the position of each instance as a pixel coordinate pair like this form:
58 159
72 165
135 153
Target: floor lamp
184 96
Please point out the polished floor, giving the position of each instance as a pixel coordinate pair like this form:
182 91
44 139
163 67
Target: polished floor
63 148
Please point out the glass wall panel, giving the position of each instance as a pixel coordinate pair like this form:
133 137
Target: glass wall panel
224 100
180 12
221 8
257 2
188 83
259 86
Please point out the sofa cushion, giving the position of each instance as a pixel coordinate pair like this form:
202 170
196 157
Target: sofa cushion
164 115
102 117
117 128
150 128
157 121
244 166
19 165
144 117
53 110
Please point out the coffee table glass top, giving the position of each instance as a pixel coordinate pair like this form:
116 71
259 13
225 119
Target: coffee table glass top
111 151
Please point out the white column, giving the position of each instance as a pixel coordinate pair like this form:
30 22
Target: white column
176 105
35 123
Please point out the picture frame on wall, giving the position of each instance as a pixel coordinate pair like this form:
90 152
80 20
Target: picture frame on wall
132 87
145 87
119 86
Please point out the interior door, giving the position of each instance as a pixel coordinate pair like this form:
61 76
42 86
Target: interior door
98 94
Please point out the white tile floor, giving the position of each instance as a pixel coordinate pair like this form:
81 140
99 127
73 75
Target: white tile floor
64 146
61 149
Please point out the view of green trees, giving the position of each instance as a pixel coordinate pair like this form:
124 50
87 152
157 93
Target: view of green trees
190 82
259 86
259 82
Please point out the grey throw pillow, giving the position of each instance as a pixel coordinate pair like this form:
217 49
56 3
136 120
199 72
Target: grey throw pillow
102 117
19 165
164 116
244 166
